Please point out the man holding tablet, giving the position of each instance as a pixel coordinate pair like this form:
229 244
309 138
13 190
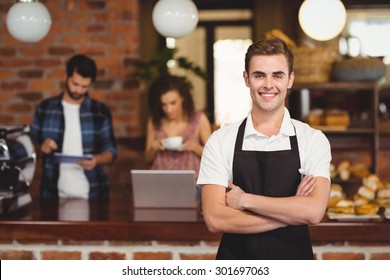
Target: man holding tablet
76 137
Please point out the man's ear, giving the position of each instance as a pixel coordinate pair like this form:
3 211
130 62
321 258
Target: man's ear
246 78
291 80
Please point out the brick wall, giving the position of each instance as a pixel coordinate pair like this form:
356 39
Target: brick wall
106 30
156 250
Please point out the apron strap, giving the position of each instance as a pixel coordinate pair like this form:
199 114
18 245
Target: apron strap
240 136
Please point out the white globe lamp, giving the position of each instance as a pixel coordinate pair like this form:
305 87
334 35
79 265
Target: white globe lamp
28 21
322 20
175 18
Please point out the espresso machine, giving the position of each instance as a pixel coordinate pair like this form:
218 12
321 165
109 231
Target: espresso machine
17 167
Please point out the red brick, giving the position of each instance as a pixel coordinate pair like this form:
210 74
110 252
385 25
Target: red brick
204 256
122 5
32 52
4 74
80 39
152 256
92 5
7 119
19 108
61 255
16 62
14 85
30 96
106 256
130 84
32 73
43 85
103 84
96 28
56 74
7 52
5 95
121 28
49 62
342 256
16 255
109 16
92 50
23 119
61 51
107 38
380 256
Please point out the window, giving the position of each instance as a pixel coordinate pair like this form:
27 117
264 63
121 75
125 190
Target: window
232 98
218 45
367 33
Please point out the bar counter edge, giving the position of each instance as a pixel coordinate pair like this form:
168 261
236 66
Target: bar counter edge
378 231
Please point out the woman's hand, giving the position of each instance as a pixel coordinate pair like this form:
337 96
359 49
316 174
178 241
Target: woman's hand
157 145
190 146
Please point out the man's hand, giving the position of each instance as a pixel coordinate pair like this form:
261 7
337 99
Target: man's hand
48 146
88 164
234 196
306 186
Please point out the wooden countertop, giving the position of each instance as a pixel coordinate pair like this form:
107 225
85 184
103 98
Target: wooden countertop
116 219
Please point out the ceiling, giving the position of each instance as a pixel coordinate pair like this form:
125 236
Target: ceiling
242 4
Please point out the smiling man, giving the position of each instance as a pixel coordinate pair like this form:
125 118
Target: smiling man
265 179
73 123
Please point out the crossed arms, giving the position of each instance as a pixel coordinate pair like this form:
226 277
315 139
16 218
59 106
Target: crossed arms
239 212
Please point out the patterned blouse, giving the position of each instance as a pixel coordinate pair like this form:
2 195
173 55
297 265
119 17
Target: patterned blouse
178 160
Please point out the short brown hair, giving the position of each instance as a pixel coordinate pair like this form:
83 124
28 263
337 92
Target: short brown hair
271 46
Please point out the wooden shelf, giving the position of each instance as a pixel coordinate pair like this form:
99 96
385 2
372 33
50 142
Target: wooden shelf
366 129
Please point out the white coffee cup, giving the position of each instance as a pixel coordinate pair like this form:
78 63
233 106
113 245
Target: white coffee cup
173 143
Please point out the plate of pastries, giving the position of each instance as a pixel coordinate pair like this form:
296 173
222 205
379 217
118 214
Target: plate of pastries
372 195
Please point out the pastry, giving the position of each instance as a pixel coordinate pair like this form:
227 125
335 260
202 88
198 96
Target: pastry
343 207
366 192
360 200
372 181
366 209
336 194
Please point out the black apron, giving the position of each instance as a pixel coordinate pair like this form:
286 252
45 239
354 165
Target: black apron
273 174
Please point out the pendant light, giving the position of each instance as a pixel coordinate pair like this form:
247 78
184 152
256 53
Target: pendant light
28 21
322 20
175 18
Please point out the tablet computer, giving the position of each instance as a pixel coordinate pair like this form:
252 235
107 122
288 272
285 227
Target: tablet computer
65 158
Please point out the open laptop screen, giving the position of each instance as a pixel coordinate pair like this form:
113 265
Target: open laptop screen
164 189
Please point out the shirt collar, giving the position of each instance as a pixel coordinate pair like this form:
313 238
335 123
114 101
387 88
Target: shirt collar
85 104
287 128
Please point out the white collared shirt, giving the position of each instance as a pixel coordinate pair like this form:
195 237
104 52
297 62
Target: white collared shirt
217 159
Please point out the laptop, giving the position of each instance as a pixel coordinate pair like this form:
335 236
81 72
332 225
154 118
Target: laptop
164 195
164 189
